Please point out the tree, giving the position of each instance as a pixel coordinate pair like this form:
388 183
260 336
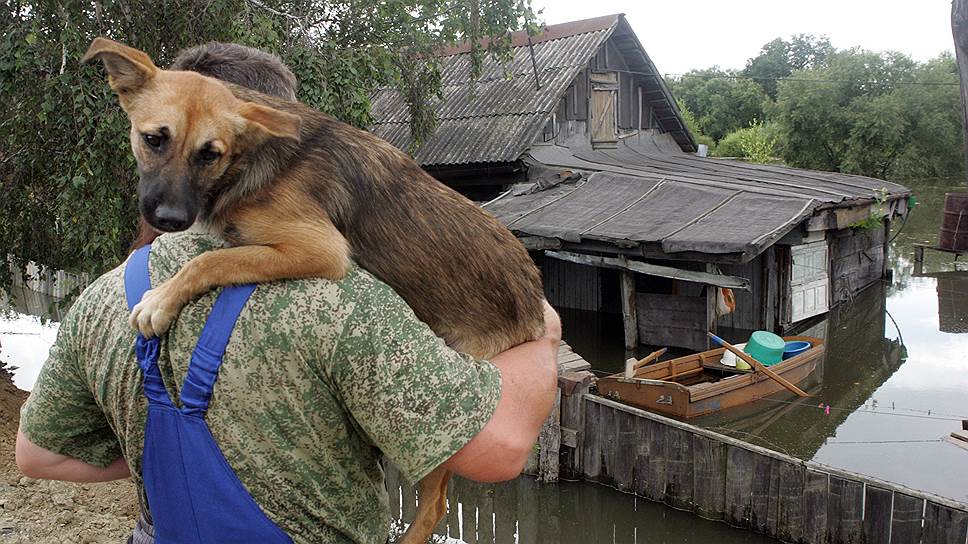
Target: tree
67 175
721 101
880 115
780 58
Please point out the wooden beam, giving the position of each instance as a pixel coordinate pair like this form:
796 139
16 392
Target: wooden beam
629 318
622 263
537 243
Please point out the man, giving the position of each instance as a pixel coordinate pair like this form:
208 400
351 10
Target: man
320 380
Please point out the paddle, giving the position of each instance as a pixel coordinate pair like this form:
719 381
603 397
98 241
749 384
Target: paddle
757 365
632 365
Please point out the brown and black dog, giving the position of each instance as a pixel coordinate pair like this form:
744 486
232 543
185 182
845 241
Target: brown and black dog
296 194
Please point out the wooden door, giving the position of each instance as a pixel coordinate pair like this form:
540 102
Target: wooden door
603 115
809 281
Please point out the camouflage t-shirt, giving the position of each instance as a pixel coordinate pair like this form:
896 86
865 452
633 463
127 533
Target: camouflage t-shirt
319 380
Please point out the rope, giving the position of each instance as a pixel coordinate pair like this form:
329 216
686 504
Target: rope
954 417
885 441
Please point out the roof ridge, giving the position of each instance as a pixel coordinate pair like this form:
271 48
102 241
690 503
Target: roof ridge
481 116
548 33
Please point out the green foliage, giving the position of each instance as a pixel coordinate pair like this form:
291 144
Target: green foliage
731 145
68 178
867 118
878 213
757 144
693 125
720 100
780 58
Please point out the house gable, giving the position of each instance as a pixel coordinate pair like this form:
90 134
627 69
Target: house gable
495 118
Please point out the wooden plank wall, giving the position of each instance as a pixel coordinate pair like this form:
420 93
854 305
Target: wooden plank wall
721 478
749 311
671 320
856 261
569 285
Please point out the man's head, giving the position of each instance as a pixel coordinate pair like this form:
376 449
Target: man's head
186 131
241 65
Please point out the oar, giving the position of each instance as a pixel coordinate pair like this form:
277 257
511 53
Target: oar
757 365
632 365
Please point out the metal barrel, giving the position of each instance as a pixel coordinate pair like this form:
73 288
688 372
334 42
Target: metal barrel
954 227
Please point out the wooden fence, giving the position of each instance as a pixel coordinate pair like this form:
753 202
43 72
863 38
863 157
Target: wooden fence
720 478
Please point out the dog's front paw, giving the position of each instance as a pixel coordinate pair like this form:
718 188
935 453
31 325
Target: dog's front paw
154 314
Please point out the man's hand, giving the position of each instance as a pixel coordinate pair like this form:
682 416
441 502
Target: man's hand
529 381
37 462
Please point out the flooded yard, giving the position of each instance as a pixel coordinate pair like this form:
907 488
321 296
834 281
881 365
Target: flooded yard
895 378
895 374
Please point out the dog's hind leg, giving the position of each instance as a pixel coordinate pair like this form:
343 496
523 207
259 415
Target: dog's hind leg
431 508
290 250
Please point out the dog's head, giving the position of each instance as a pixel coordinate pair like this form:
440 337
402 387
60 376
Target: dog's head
186 131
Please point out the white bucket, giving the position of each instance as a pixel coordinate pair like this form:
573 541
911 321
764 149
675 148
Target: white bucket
729 358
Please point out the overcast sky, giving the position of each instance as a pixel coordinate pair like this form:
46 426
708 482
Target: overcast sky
680 36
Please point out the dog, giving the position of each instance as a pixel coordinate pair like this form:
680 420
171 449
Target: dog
297 194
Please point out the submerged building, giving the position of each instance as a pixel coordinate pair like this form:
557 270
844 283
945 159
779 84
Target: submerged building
584 155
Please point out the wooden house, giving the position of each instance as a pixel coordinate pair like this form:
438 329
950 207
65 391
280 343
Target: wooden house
583 153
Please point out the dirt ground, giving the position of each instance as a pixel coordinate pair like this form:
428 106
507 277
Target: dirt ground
42 512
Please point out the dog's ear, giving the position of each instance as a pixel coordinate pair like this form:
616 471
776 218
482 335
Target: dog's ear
271 121
128 69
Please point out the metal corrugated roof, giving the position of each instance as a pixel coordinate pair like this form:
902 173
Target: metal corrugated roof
495 118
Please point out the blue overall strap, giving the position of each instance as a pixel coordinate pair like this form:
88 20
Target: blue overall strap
193 494
137 281
207 356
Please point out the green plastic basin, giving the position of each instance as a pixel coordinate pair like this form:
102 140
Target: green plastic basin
765 347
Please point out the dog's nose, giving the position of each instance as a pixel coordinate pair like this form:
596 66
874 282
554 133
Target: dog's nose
171 219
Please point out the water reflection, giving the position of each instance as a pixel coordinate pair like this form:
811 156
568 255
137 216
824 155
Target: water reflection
952 302
524 511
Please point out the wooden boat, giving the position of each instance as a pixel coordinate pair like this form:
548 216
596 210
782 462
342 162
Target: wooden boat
699 384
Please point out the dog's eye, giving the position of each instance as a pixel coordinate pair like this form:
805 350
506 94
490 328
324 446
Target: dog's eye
153 140
208 155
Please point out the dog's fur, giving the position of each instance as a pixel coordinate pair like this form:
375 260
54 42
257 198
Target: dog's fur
296 194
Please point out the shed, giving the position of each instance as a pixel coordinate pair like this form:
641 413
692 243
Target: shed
585 157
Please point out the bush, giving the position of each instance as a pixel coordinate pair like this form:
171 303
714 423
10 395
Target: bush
755 143
731 145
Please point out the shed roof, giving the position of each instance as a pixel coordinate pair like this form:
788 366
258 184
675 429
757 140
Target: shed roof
647 193
496 118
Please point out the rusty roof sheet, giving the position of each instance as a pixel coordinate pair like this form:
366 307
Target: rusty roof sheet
496 117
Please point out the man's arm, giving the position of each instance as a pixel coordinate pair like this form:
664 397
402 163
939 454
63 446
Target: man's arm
528 385
37 462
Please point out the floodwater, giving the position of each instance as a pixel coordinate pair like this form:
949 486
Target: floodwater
524 511
895 378
895 374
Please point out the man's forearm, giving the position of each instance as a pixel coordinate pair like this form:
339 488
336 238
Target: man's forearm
528 385
37 462
529 381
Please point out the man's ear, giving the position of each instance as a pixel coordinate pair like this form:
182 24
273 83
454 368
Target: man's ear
128 69
272 122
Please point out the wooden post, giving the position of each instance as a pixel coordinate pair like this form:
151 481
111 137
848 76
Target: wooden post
573 386
771 280
629 317
918 260
549 444
712 296
959 29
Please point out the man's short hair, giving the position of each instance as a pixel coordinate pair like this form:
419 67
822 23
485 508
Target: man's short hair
245 66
